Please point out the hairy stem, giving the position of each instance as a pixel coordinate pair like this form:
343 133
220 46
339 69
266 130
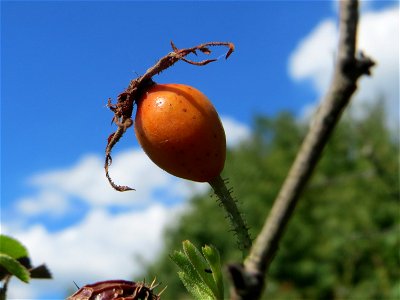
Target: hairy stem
233 213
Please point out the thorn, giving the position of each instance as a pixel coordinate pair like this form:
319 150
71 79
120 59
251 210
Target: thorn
153 284
174 47
162 291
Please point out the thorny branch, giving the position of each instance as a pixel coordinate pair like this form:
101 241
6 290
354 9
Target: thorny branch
249 279
125 101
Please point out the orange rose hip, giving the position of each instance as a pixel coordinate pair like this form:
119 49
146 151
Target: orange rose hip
181 132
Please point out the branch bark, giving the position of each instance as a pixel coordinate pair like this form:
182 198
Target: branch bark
249 279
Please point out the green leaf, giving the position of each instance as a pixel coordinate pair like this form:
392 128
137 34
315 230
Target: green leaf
211 254
184 264
14 267
199 291
200 265
188 269
190 277
12 247
201 273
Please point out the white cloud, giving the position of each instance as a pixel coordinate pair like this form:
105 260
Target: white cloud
378 37
313 59
103 246
235 131
86 181
46 202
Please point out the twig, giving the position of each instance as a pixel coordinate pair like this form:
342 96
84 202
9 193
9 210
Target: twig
249 279
3 289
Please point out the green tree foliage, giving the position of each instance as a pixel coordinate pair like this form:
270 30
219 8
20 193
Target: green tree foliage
343 240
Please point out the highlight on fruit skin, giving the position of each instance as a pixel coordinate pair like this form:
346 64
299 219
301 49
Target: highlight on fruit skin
180 130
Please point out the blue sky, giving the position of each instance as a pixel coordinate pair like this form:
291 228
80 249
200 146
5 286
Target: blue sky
60 61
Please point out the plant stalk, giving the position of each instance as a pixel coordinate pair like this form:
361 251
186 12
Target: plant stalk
235 216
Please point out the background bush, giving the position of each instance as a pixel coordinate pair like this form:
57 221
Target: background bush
343 241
